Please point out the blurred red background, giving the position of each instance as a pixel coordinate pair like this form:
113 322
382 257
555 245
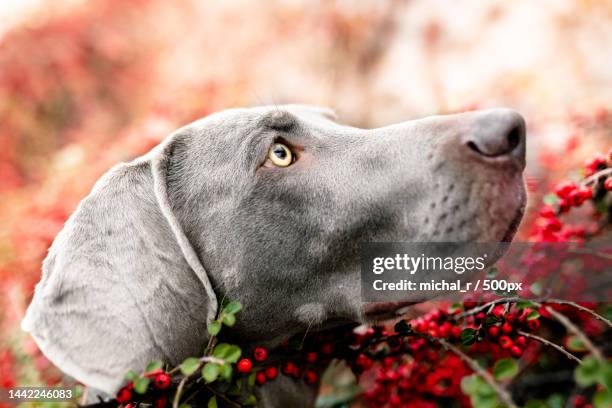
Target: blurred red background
86 84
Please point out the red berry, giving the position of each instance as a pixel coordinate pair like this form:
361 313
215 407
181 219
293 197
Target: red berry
260 378
479 316
521 341
271 372
311 357
544 312
596 163
579 401
260 354
124 395
445 329
456 331
585 192
493 331
162 381
364 361
245 365
553 224
469 303
516 351
505 342
327 348
547 212
289 368
311 377
608 184
499 311
161 402
563 189
507 328
533 324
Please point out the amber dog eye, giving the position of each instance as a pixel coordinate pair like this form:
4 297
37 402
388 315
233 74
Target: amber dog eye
280 155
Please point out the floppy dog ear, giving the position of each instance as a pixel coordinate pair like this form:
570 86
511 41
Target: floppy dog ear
121 284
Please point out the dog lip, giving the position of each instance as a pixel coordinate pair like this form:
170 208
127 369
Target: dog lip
514 224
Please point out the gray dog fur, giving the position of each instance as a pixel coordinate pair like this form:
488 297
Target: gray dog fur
138 269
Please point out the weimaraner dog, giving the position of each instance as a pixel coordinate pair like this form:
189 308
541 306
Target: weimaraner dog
267 206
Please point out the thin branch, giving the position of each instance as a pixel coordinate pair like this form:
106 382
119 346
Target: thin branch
574 329
185 379
595 178
484 374
223 397
551 344
582 308
488 304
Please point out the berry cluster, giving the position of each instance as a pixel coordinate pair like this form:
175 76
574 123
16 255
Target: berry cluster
431 360
570 194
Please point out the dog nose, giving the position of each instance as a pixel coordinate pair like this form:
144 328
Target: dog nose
498 133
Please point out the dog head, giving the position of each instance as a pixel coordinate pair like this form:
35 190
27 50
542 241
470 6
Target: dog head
267 206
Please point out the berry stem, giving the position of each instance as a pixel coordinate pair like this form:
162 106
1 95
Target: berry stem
551 344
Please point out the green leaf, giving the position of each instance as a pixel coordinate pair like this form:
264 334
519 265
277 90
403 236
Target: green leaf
484 401
233 354
220 350
550 199
229 320
184 405
490 320
210 372
493 272
250 401
154 365
536 288
469 384
574 344
212 402
228 352
141 384
214 327
455 307
226 372
588 372
522 304
468 337
533 315
189 366
555 401
251 379
602 399
536 403
481 394
232 307
131 375
505 369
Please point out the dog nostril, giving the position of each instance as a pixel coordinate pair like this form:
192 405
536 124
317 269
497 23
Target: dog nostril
497 133
475 148
514 138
